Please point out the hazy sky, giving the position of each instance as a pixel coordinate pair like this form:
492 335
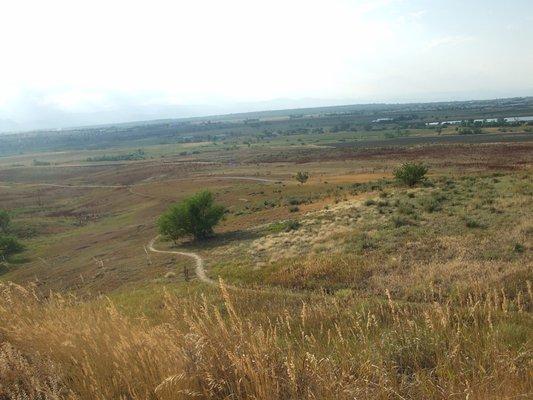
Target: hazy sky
73 57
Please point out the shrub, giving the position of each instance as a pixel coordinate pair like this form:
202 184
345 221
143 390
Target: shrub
472 223
294 209
195 216
302 176
363 242
410 173
399 221
39 163
294 201
519 248
383 203
470 131
431 204
291 225
284 226
24 230
406 208
9 245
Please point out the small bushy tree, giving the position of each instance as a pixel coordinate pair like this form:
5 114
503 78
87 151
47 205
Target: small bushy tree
302 176
195 216
9 245
411 173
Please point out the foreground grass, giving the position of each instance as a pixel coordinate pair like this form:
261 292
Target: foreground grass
265 346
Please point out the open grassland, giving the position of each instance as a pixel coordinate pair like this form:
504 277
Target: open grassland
353 286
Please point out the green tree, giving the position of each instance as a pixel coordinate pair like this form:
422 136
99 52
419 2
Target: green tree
9 245
410 173
5 220
195 216
302 176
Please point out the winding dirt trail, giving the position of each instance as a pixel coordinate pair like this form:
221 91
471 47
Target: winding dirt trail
199 270
130 189
199 262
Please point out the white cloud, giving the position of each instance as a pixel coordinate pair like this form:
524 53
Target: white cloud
449 41
417 14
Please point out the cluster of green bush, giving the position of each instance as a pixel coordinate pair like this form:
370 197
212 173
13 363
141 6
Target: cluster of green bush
195 216
473 130
136 155
411 173
39 163
284 226
9 244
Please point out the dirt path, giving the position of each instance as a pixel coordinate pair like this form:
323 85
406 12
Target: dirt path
80 186
62 186
130 187
248 178
199 262
199 269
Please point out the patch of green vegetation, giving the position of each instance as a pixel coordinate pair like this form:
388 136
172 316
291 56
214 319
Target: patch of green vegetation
240 272
406 208
9 243
432 203
283 226
195 216
470 130
399 221
135 155
361 242
474 223
40 163
296 201
410 173
302 177
519 248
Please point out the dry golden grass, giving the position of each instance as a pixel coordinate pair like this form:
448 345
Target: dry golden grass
257 346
